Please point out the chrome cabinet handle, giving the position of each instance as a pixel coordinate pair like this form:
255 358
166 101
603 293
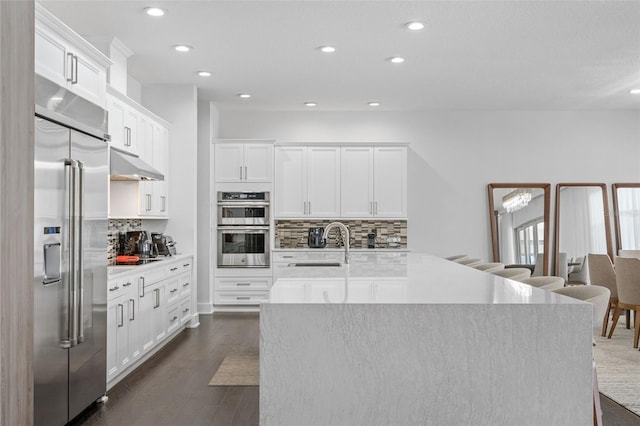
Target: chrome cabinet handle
121 320
173 291
184 311
245 173
148 197
173 269
185 284
70 63
305 207
186 264
75 78
114 288
164 203
309 207
240 172
375 208
243 297
157 293
243 284
132 310
174 318
127 284
141 286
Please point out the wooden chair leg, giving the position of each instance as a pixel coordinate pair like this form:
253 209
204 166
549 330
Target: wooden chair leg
616 315
628 315
605 320
636 333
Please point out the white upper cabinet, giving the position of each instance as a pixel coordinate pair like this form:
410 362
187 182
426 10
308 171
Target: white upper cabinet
240 162
123 125
307 181
65 58
374 181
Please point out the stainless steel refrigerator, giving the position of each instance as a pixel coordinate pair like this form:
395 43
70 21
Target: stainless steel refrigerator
70 263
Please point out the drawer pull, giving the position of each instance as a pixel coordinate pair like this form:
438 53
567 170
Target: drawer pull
243 298
174 290
174 269
245 284
127 284
185 284
185 311
287 257
114 288
174 318
186 264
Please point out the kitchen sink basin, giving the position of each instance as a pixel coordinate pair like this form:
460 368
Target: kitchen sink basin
314 264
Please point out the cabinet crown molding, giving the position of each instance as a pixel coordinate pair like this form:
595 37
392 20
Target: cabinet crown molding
140 108
363 144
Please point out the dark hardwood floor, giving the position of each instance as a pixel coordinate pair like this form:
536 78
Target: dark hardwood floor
172 387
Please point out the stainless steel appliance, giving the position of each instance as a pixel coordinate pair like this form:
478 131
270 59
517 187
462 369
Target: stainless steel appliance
70 260
243 229
164 244
315 240
243 208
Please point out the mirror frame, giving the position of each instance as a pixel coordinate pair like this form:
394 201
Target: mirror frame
605 211
616 211
546 187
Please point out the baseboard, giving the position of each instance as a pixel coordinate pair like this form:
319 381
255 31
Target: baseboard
205 308
234 308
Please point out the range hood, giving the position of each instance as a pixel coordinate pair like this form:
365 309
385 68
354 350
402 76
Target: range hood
127 166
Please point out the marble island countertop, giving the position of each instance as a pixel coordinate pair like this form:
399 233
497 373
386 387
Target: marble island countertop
409 279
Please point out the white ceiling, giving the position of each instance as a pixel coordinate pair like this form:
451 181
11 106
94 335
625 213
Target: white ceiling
488 55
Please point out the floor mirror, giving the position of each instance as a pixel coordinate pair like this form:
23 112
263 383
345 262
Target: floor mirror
626 205
519 218
582 227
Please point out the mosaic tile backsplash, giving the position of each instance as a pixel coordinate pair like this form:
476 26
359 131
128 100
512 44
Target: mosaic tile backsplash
294 233
115 227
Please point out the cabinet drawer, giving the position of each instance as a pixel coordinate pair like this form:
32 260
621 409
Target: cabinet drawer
241 298
116 288
173 319
184 285
185 311
173 291
178 267
242 284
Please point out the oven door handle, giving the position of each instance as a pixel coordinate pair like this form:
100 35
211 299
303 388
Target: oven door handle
243 204
244 229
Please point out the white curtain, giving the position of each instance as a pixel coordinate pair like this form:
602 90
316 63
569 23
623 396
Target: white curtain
581 224
629 217
507 238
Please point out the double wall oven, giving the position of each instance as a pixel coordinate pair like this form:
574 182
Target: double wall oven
243 229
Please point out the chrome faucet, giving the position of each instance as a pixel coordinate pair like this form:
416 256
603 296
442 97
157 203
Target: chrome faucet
344 228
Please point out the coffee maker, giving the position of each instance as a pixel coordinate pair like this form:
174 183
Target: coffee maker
315 239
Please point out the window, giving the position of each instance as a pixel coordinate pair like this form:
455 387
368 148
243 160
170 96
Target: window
530 241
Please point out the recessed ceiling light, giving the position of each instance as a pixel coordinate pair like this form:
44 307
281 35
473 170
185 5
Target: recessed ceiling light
415 26
310 104
635 91
328 49
374 104
182 48
244 95
396 60
154 11
204 73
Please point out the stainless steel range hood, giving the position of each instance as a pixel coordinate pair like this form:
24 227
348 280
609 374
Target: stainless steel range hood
127 166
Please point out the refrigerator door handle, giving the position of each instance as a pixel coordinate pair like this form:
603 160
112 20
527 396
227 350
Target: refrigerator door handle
71 322
80 233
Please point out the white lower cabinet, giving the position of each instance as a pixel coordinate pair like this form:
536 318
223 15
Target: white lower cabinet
242 290
143 310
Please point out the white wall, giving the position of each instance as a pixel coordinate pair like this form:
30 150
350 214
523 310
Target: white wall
207 130
178 104
454 154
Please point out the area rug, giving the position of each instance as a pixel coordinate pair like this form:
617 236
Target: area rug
238 369
618 367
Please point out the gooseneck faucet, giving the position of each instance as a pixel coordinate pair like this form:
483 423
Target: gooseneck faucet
344 228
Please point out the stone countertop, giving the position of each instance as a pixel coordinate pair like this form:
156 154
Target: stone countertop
410 279
340 249
117 270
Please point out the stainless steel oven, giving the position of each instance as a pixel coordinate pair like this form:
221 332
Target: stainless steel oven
243 229
243 246
243 208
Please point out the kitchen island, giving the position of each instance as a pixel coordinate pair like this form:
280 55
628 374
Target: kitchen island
420 340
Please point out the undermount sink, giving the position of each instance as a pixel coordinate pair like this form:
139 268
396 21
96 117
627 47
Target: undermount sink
313 264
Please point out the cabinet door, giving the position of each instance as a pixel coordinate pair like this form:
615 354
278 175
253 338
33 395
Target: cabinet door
131 130
116 124
133 318
145 151
147 302
390 182
160 313
113 321
90 80
291 182
161 162
50 56
323 181
257 162
229 165
356 182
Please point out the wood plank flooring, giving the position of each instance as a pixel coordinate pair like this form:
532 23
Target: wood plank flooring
172 388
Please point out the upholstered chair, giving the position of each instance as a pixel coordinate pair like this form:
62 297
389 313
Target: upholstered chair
628 284
490 267
601 273
597 295
516 274
545 283
457 257
469 262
